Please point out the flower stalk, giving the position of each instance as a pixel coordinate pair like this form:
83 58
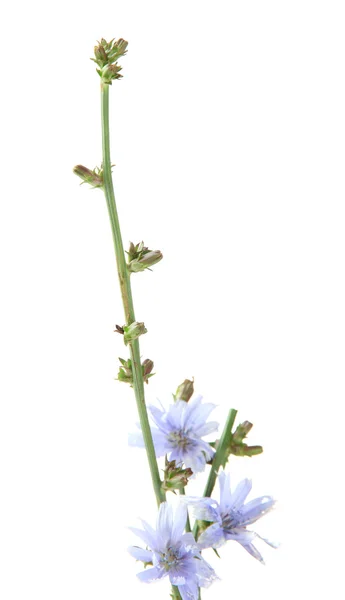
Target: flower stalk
219 460
126 294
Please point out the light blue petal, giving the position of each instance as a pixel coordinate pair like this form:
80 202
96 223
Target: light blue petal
242 536
159 418
254 552
191 411
140 554
206 448
205 574
145 536
199 413
188 541
175 415
176 578
165 522
150 575
206 509
255 509
274 545
178 455
189 591
179 523
224 490
240 494
212 537
161 443
206 428
194 460
136 439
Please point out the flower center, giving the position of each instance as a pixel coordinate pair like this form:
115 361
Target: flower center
179 439
231 520
169 558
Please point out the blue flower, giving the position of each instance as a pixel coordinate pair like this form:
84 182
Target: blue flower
172 552
178 433
231 516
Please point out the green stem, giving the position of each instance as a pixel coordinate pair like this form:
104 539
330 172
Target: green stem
188 527
126 293
218 459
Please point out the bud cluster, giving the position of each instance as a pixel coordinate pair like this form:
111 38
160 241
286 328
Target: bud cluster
175 477
125 373
235 444
106 57
238 447
141 258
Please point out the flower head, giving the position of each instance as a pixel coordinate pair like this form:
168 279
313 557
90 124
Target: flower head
231 516
178 433
172 553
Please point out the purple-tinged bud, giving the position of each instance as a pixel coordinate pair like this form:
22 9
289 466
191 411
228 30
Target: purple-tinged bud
93 178
147 367
110 72
106 57
133 331
148 260
100 55
175 478
119 329
141 258
185 390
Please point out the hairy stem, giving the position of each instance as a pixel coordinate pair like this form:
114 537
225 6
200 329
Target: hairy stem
126 293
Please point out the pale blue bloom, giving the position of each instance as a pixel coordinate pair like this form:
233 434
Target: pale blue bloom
172 552
178 432
231 516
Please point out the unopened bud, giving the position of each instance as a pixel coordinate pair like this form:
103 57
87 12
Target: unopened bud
175 477
106 57
110 72
148 260
185 390
244 450
118 49
100 55
147 367
125 371
93 178
242 431
133 331
141 258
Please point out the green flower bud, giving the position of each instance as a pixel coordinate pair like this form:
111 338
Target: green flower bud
101 55
241 432
175 477
110 72
125 371
93 178
185 390
133 331
141 258
148 260
117 49
244 450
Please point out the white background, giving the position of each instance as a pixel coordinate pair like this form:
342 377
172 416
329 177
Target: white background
228 136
